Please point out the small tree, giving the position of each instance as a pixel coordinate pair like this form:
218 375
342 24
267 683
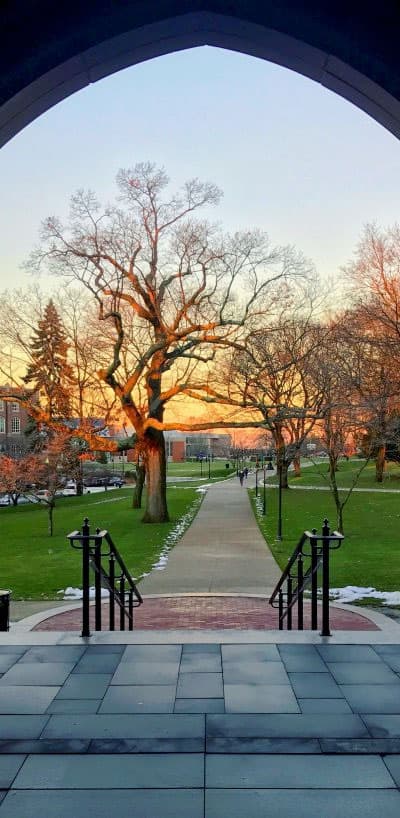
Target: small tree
49 372
56 460
17 475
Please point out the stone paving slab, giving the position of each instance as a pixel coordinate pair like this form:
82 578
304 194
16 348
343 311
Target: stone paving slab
9 766
366 698
260 698
284 725
37 673
296 771
22 726
110 771
139 699
29 699
103 804
105 726
315 686
301 803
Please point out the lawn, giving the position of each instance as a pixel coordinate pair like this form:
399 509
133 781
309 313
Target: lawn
316 475
36 566
191 470
370 553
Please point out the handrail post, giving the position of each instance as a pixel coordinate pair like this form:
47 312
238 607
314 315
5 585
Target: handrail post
130 602
85 577
325 579
289 602
122 603
300 579
280 609
314 581
112 591
97 581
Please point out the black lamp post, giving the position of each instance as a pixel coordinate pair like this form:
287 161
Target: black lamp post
209 467
256 482
201 467
264 497
279 532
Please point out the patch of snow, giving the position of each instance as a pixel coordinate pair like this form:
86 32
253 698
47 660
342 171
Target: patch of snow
352 593
71 594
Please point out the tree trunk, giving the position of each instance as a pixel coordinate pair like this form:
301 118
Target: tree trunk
296 465
156 478
333 467
283 474
50 520
380 463
137 494
336 496
340 519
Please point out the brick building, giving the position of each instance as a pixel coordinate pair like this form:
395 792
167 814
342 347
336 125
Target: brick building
13 422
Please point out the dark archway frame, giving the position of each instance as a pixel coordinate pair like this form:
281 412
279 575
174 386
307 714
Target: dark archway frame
51 50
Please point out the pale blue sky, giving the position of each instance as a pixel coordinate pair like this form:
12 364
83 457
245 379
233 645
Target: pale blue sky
291 157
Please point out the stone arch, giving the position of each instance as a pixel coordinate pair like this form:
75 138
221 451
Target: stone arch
49 50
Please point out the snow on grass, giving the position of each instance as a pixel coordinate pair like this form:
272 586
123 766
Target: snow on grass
174 536
71 594
353 593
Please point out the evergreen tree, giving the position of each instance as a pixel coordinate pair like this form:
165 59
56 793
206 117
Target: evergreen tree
49 371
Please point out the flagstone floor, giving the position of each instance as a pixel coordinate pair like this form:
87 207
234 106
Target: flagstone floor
199 730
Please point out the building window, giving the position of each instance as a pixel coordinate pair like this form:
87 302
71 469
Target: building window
15 407
1 406
15 425
2 426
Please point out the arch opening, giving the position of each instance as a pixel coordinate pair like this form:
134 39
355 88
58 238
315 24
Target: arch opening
41 84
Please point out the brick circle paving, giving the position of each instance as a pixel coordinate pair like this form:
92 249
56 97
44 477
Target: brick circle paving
208 612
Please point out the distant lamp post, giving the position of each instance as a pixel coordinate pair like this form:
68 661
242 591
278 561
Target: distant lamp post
256 481
201 467
264 497
209 467
279 532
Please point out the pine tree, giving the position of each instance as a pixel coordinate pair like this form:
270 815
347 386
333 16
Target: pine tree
49 371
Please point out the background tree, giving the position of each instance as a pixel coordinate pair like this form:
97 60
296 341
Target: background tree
49 373
172 288
374 322
17 475
271 376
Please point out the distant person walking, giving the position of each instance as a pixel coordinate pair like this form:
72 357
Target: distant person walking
246 471
241 477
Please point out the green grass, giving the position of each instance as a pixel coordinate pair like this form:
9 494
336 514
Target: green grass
36 566
369 555
316 475
196 470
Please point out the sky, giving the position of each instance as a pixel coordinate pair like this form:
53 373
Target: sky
292 158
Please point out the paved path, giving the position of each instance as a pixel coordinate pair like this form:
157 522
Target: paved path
222 551
204 612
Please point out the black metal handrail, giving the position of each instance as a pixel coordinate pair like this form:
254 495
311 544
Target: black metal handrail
297 579
119 583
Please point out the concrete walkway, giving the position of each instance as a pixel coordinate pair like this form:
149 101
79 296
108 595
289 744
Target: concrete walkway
223 551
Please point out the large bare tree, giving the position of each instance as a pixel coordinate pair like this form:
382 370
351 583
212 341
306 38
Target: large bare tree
173 291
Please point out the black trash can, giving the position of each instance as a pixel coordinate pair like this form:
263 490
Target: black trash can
5 610
227 465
